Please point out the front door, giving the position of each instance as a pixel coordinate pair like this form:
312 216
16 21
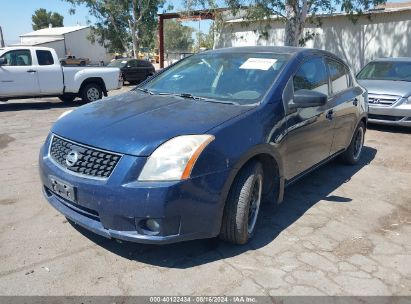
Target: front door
18 77
309 130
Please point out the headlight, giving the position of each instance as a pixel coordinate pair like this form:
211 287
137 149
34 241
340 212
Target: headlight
175 159
64 114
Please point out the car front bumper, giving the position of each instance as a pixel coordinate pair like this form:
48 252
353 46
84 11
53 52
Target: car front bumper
395 115
116 207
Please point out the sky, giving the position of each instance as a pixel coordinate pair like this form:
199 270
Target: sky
15 16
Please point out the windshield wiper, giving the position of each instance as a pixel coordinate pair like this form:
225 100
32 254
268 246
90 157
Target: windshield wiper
191 96
188 96
145 91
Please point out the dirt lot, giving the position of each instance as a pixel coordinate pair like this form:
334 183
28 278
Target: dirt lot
340 231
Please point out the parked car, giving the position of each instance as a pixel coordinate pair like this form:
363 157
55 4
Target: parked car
388 81
72 60
192 152
27 72
134 70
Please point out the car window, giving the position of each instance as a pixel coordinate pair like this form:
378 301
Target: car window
340 79
240 77
386 70
44 57
132 64
17 58
118 63
312 75
145 64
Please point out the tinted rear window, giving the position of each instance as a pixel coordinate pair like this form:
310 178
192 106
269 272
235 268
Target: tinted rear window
44 57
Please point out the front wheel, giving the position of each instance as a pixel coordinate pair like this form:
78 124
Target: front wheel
352 155
243 205
91 92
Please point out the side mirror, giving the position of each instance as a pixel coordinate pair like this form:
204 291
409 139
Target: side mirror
308 99
3 61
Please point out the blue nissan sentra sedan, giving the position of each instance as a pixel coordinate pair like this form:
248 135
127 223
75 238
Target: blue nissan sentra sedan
193 151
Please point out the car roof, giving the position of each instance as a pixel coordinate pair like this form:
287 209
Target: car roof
129 59
392 59
296 52
270 49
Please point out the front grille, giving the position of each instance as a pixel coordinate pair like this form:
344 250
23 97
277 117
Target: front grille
88 161
382 100
385 117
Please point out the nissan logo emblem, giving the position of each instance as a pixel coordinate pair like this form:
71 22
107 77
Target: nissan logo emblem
71 158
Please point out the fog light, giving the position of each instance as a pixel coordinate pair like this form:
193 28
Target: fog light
153 225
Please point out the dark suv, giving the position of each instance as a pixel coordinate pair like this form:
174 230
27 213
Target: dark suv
192 152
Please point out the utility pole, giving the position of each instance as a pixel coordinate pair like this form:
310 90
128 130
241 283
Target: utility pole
1 38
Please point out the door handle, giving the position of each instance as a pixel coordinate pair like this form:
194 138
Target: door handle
31 71
329 115
355 101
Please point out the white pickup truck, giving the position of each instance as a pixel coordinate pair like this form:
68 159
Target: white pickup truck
27 72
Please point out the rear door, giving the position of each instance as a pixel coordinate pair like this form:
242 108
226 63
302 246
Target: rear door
310 131
19 76
50 74
344 101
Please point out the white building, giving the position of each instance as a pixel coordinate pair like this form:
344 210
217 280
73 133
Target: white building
380 33
67 40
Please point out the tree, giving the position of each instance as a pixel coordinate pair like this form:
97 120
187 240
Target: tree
206 39
42 18
177 37
122 22
295 13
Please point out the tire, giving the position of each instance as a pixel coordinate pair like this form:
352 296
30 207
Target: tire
91 92
238 224
67 98
352 155
82 63
63 63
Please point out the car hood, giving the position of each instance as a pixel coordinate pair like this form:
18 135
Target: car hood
387 87
136 123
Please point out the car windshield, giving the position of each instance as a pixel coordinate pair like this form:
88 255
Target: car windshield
386 70
119 63
240 78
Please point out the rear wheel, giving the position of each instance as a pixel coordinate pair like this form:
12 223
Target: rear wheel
243 205
91 92
82 63
353 153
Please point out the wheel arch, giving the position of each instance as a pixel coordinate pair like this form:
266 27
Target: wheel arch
272 166
96 80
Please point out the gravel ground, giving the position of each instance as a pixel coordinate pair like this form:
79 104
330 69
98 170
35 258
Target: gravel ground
340 231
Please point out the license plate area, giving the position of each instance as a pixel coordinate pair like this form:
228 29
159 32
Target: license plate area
62 189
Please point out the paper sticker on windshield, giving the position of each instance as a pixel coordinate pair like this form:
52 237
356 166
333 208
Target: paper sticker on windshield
125 61
258 64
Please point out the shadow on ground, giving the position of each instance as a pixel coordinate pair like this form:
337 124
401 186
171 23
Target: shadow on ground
299 198
39 105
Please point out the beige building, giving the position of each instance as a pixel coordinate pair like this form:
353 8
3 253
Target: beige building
385 32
